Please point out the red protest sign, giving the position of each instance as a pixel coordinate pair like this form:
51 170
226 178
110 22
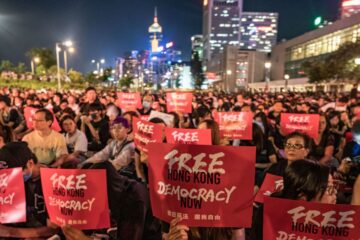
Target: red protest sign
271 184
128 101
76 197
179 102
205 185
29 113
289 219
235 125
12 196
305 123
145 117
188 136
145 133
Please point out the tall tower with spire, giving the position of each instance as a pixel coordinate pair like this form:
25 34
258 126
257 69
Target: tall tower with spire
155 33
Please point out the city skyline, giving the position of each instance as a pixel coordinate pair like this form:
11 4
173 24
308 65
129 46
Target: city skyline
105 31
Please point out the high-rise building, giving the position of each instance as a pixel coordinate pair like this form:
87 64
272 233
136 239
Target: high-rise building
258 31
349 8
197 45
155 34
220 25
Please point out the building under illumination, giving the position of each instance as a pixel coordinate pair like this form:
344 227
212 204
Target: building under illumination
349 8
197 45
155 33
220 25
258 31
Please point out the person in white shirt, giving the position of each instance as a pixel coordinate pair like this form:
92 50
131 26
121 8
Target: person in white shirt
48 145
76 140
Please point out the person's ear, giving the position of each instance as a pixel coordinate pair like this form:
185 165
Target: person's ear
30 163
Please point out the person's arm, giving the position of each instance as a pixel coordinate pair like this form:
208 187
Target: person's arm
100 156
177 231
39 232
125 157
139 168
74 234
356 192
329 151
61 152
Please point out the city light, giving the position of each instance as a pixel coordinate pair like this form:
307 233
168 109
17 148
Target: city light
36 59
169 45
205 3
286 77
102 61
351 3
68 43
268 65
357 61
228 72
318 21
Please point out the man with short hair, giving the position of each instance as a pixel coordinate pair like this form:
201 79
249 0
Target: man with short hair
48 145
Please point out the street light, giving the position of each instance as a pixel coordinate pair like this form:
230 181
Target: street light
357 61
267 74
65 46
101 61
33 61
229 72
286 77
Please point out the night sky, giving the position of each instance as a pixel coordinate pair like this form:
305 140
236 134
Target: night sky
108 28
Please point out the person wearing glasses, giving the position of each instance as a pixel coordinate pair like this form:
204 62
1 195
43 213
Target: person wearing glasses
304 180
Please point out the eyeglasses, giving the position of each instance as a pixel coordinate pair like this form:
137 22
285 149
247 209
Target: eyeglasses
294 146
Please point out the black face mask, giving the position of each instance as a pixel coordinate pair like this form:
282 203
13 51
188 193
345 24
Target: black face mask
93 116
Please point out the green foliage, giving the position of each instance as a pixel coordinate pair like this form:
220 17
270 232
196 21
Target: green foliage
20 68
126 81
196 70
6 65
339 65
75 76
91 78
36 84
46 56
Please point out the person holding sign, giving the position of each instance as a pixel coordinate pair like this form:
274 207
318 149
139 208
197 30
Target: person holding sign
303 180
18 154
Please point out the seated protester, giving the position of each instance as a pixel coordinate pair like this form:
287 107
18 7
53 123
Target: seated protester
112 112
215 131
90 98
130 208
76 140
10 116
323 147
129 117
48 145
265 153
303 180
17 154
147 105
352 149
277 138
96 128
120 151
337 128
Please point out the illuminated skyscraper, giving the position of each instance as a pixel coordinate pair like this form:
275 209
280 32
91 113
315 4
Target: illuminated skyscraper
220 25
258 31
349 8
197 45
155 34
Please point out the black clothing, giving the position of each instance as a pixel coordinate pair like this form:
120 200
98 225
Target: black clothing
104 135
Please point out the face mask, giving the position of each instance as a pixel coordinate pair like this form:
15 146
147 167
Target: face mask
27 176
93 116
146 104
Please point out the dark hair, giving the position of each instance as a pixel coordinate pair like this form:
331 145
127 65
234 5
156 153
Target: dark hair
95 107
307 139
48 114
157 120
304 178
66 117
90 89
356 127
258 137
176 119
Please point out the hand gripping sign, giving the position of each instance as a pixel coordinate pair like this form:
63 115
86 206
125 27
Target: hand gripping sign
12 196
188 136
235 125
289 219
145 133
128 101
208 186
305 123
29 113
76 197
271 184
179 102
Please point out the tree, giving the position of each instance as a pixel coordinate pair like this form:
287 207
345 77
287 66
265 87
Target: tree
46 56
75 76
20 68
196 70
6 65
339 65
126 81
91 78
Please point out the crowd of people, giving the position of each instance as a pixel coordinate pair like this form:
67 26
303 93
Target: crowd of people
97 134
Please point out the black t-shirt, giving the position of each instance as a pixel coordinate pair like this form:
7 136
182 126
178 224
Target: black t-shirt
104 135
352 150
143 111
13 116
36 213
318 151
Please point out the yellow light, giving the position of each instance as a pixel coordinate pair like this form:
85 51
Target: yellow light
71 50
205 3
36 59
